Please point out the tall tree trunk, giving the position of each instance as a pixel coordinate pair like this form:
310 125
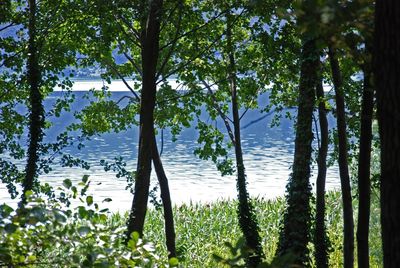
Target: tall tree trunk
247 219
295 235
387 81
36 117
364 166
321 239
348 222
166 200
150 52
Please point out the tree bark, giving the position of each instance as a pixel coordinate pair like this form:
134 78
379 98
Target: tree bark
348 222
295 234
150 51
36 117
387 81
247 218
321 239
364 166
166 200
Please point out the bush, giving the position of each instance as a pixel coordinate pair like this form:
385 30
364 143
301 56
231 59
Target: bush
47 232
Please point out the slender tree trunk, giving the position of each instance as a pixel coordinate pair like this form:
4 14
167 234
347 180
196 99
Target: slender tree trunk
150 52
348 222
36 117
247 219
387 81
166 200
364 165
321 239
295 235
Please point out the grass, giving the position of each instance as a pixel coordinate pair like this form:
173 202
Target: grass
203 229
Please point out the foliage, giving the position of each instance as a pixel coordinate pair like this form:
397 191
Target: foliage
54 22
105 36
57 233
204 229
240 252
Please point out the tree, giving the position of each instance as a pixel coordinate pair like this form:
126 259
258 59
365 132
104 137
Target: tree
387 81
12 95
347 30
150 59
320 236
247 218
364 166
149 37
30 73
36 117
295 232
233 74
348 226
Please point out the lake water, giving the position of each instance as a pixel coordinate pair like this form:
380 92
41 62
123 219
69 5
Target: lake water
268 155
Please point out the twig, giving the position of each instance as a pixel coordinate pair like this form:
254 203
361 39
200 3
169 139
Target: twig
223 116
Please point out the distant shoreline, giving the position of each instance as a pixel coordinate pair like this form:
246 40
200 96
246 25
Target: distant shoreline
97 83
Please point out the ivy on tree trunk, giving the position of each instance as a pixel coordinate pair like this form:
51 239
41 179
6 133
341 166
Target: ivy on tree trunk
247 218
295 234
36 116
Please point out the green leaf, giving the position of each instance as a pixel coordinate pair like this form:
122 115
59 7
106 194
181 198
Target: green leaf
89 200
83 213
135 236
85 178
75 259
67 183
107 200
31 258
60 217
10 228
173 262
84 230
28 193
5 210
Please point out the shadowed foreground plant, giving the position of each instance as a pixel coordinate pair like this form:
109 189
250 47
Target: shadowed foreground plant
49 233
239 252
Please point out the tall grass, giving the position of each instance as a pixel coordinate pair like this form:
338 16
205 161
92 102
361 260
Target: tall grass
203 229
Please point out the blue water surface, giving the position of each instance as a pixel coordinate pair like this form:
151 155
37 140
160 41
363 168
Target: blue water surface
268 155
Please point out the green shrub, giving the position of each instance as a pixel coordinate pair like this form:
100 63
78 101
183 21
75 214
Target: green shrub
49 233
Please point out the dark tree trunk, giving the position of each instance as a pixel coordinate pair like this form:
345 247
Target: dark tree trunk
387 81
247 218
150 52
166 200
36 117
348 222
364 165
321 239
295 234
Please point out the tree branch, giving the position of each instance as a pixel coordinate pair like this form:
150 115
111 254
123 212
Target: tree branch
7 26
223 116
170 15
190 60
201 52
193 30
136 39
115 70
171 50
135 33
